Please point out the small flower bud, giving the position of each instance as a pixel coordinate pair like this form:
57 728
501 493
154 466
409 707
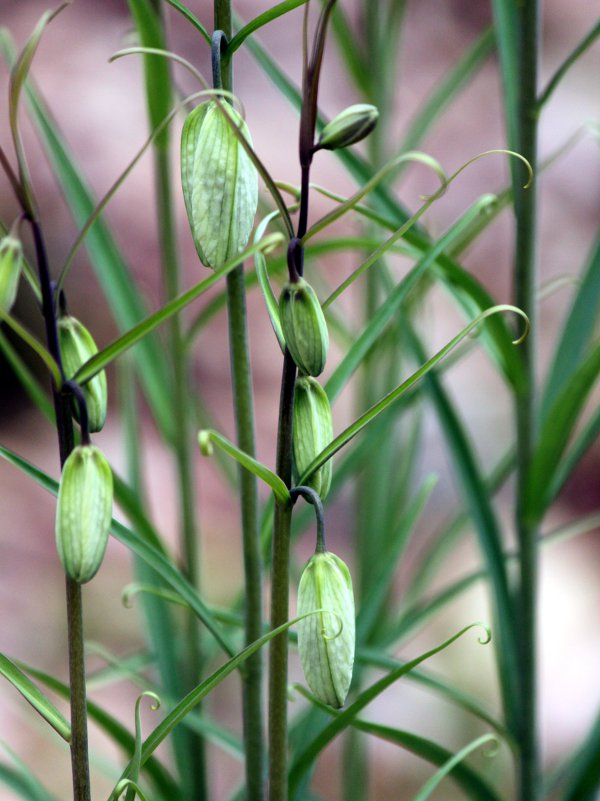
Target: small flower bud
11 263
326 639
76 347
220 182
84 511
304 326
350 126
312 431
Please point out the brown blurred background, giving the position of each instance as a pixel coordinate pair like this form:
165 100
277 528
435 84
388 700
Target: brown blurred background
100 108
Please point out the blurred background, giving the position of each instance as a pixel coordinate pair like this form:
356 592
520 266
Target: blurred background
100 108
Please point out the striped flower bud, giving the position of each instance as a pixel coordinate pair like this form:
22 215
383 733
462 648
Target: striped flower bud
11 263
312 431
304 326
76 347
326 639
84 511
350 126
220 182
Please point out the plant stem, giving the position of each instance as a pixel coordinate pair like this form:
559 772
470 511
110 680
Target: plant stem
280 579
525 286
64 424
79 738
244 417
252 678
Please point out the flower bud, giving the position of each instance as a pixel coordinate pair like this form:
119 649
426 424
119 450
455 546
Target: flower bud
312 431
220 182
326 639
304 326
84 511
350 126
76 347
11 263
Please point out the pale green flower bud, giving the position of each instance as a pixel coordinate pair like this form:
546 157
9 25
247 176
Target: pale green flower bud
220 182
11 263
84 512
350 126
76 347
304 327
312 432
326 639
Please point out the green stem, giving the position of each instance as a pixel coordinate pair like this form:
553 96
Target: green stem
244 416
280 579
525 289
79 737
252 703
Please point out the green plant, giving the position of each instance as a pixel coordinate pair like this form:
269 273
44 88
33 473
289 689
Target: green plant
384 358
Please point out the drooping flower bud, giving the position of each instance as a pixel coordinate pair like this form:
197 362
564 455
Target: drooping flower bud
350 126
11 263
76 347
326 639
312 431
304 327
220 182
83 512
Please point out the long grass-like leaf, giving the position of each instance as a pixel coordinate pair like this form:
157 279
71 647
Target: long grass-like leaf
466 778
577 332
35 697
191 18
27 379
481 511
311 750
207 438
21 779
178 713
101 359
353 429
113 273
431 784
555 432
157 80
581 775
160 777
263 19
386 311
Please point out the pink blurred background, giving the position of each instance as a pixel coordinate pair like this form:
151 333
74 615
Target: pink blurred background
101 110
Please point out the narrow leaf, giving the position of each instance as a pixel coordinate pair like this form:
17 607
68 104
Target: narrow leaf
35 697
163 782
556 431
139 331
577 332
207 437
262 19
451 764
353 429
305 759
466 778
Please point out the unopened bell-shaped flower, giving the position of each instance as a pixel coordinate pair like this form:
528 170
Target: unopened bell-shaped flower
76 347
350 126
304 327
326 639
11 263
219 180
312 432
83 512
